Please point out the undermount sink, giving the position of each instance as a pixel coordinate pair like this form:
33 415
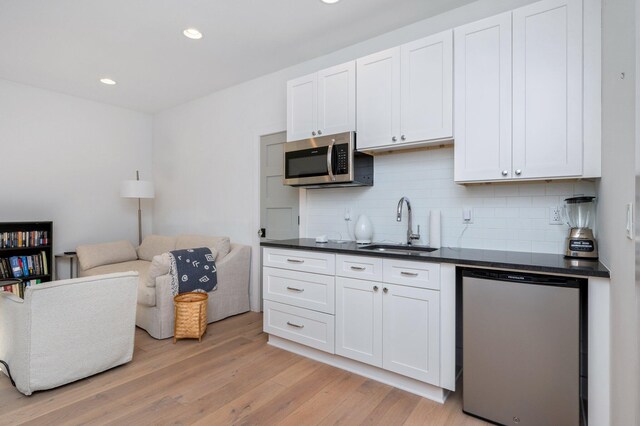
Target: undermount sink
398 248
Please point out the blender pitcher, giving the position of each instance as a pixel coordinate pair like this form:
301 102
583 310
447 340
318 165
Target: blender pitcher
580 215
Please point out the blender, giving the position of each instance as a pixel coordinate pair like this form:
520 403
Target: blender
580 215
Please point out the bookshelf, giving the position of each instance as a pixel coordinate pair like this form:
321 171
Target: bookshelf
27 246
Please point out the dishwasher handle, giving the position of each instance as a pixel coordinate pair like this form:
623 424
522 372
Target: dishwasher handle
520 277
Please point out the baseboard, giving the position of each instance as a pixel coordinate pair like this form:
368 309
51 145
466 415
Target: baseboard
408 384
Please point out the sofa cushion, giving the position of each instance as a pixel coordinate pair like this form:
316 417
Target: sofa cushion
146 295
160 265
154 245
92 255
221 244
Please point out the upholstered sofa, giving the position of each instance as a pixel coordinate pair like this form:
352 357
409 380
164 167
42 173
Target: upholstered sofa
155 312
63 331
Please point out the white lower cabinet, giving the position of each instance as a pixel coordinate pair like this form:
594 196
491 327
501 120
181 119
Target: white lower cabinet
383 313
411 332
390 326
359 320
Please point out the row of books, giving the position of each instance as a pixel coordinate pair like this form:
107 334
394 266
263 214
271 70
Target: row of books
24 266
18 289
19 239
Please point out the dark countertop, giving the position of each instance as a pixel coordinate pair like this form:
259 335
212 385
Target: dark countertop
533 262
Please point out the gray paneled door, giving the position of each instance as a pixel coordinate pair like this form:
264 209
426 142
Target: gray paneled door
279 204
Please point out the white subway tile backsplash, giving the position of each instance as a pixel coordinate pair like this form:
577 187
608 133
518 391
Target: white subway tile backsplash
506 216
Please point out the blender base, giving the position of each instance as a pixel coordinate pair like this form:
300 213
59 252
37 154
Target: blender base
581 244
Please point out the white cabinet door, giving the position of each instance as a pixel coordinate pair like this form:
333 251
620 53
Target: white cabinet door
378 99
483 100
302 107
411 332
359 320
427 88
547 89
337 99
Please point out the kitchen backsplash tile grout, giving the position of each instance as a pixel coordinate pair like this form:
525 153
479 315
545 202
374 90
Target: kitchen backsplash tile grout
506 216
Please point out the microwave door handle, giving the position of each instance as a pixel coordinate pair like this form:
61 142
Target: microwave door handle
330 160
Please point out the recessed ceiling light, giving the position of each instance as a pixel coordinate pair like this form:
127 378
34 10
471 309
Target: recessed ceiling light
192 33
330 1
107 81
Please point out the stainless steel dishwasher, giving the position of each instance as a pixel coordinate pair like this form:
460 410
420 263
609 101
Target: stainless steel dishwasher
521 347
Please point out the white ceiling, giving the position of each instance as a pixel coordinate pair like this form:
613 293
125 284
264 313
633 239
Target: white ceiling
67 45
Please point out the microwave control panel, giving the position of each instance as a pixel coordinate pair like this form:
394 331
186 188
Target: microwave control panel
342 159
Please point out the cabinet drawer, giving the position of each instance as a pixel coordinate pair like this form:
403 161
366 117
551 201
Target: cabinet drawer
300 260
301 289
300 325
413 274
365 268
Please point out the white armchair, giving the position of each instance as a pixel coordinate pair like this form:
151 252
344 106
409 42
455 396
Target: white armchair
67 330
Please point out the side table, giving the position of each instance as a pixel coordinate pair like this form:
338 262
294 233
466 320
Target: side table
72 257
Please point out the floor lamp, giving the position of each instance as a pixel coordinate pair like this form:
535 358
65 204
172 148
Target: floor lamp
137 189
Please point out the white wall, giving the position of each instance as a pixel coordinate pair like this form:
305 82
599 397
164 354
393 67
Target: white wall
206 164
511 217
617 188
63 159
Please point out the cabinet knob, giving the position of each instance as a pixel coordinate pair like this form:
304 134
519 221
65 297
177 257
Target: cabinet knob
518 172
385 290
375 288
505 172
403 137
313 133
319 132
394 139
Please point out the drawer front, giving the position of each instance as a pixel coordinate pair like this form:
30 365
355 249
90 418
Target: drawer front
413 274
300 325
300 260
301 289
360 267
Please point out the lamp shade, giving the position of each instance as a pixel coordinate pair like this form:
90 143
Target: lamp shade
137 189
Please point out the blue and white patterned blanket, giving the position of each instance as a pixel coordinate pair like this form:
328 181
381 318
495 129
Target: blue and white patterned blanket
193 270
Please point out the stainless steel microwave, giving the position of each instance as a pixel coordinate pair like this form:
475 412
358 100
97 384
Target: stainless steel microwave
327 161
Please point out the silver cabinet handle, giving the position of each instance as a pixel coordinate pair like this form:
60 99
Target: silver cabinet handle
319 132
295 325
298 290
358 268
518 172
505 172
295 261
403 137
375 288
313 133
330 160
394 139
385 290
409 274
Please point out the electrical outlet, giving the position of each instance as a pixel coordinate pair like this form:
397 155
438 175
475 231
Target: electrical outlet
467 215
555 215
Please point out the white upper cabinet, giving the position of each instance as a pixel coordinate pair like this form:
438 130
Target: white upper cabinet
405 94
483 100
302 107
519 95
322 103
426 99
547 89
378 98
337 99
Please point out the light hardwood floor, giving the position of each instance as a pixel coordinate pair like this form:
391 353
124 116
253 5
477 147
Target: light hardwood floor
232 377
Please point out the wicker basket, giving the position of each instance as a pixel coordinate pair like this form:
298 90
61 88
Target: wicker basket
190 316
